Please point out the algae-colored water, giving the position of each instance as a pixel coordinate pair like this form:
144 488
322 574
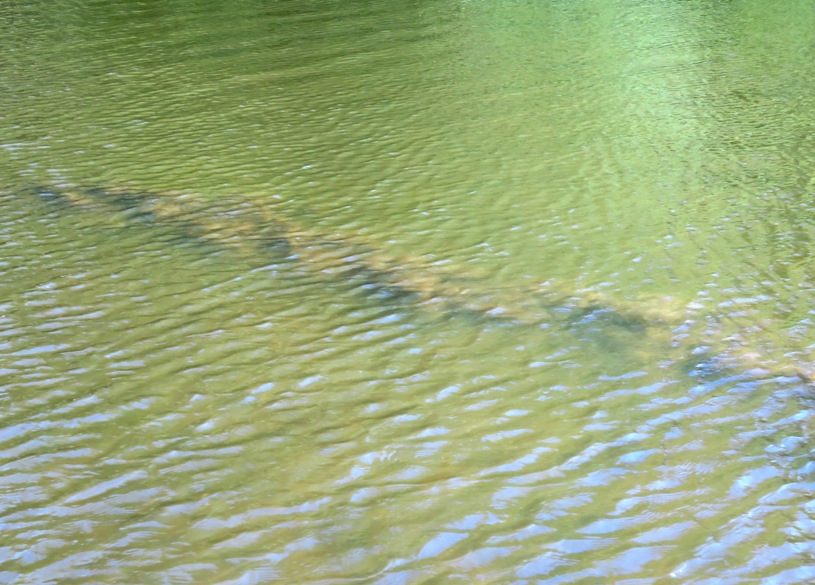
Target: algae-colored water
405 293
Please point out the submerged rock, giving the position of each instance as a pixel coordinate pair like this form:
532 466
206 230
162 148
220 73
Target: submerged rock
667 329
256 230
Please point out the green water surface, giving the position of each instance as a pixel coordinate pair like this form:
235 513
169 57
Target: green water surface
175 408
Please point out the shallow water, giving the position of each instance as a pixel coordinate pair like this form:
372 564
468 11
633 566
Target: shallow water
550 320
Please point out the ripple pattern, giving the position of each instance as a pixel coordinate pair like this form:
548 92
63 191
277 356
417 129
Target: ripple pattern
178 408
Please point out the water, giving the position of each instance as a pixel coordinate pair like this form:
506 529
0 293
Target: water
474 291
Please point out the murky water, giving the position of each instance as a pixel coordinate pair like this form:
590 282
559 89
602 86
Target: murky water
435 291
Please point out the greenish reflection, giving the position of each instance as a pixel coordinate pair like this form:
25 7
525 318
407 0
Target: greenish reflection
208 394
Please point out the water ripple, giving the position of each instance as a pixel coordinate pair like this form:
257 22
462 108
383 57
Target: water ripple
186 397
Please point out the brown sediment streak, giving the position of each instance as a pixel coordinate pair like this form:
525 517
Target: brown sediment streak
252 229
